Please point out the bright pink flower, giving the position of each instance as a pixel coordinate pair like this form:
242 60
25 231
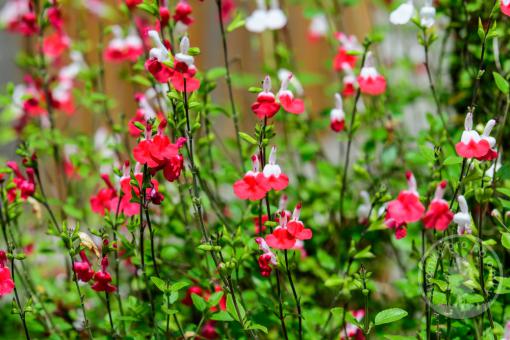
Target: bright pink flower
266 105
286 98
18 16
407 208
133 3
438 215
337 115
369 80
103 200
353 331
297 228
184 69
344 60
280 238
55 18
25 186
276 179
164 15
55 44
6 282
103 279
471 145
505 7
349 82
183 13
253 185
139 117
83 269
227 9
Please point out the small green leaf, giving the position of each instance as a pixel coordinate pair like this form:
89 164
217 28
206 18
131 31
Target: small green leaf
247 138
237 22
222 316
505 240
389 315
215 298
159 283
178 286
198 302
501 82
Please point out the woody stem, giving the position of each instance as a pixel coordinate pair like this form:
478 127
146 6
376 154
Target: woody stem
296 297
350 135
229 84
109 313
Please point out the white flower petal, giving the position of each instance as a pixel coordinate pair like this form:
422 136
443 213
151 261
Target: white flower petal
402 14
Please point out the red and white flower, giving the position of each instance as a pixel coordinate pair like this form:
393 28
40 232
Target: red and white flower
353 331
472 145
337 115
318 27
183 77
182 17
370 81
286 98
406 208
276 179
505 7
266 105
267 259
438 215
254 185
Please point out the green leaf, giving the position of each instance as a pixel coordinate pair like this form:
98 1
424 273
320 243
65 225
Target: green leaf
231 309
505 240
178 286
222 316
501 82
364 254
149 8
237 22
452 160
389 315
199 302
257 327
215 73
247 138
159 283
215 298
194 51
337 311
481 30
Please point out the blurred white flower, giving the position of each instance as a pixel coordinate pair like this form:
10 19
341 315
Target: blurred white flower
428 14
403 13
262 19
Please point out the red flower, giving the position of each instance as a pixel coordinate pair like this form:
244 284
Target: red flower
164 15
260 228
286 98
344 60
253 185
266 105
286 234
55 44
353 331
280 238
227 9
24 185
103 200
208 331
337 115
438 215
6 282
82 269
276 179
296 227
267 259
349 82
102 278
505 7
369 80
182 13
185 69
192 290
472 145
407 208
133 3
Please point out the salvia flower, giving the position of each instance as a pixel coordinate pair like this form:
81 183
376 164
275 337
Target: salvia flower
103 201
350 82
158 55
83 269
438 215
262 19
428 14
281 238
406 208
182 17
267 259
463 218
344 59
254 185
103 279
18 16
403 13
25 186
337 115
318 28
185 69
266 105
370 81
122 48
6 282
276 179
472 145
296 227
286 98
505 7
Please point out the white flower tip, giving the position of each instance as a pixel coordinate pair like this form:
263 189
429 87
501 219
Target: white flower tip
272 155
266 85
338 101
488 127
365 196
402 14
184 46
468 122
463 204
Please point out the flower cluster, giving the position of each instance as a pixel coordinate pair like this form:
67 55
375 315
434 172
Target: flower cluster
472 145
407 208
121 48
267 104
23 185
